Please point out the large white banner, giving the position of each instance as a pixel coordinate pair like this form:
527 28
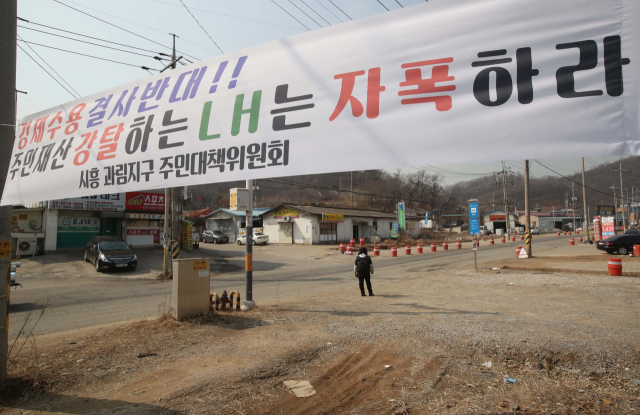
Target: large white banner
441 82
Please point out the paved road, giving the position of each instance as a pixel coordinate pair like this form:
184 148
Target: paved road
87 298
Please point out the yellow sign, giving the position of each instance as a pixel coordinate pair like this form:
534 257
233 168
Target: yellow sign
14 220
5 249
187 236
233 201
332 217
23 217
280 213
200 265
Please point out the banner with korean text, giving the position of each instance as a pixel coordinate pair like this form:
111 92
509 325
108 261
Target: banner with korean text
543 78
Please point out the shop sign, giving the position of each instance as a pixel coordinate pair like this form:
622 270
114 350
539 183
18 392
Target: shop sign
78 224
113 202
412 226
145 232
494 218
280 213
187 236
608 226
395 229
332 217
401 215
145 216
145 201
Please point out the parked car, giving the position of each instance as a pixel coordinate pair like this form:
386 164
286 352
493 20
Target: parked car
258 238
109 252
632 232
622 244
535 230
215 237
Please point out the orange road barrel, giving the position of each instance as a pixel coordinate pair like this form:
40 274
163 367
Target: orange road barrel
522 237
352 242
615 267
407 250
349 250
376 251
343 248
361 241
558 233
420 248
503 239
564 232
636 250
458 245
445 246
483 238
580 239
518 249
569 232
572 241
433 247
577 232
394 251
513 238
491 241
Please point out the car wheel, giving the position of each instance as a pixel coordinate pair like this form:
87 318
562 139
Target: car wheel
215 241
98 269
253 242
622 250
85 256
239 243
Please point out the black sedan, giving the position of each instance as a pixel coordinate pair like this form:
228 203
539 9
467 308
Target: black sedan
215 237
622 244
108 252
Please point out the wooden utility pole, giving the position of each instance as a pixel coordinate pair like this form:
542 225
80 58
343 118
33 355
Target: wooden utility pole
8 34
527 208
624 221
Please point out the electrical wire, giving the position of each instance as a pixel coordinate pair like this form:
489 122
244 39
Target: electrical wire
283 9
80 34
294 5
90 56
228 15
50 67
327 9
52 77
399 4
203 29
383 5
121 28
84 41
340 9
319 15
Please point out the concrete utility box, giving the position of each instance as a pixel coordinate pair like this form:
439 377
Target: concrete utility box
239 199
191 278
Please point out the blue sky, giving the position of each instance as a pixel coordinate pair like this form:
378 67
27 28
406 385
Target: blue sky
230 25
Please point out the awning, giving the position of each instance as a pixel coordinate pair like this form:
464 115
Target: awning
359 220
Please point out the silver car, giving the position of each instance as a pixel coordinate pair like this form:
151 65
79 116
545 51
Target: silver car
258 238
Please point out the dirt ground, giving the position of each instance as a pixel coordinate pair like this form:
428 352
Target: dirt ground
569 342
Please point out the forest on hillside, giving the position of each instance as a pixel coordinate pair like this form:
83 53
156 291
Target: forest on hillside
423 189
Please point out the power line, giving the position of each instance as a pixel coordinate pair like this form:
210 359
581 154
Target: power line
90 37
50 67
65 88
121 28
228 15
203 29
383 5
340 9
327 9
90 56
303 2
84 41
399 4
283 9
293 4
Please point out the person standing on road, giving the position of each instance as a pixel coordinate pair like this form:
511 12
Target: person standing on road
363 268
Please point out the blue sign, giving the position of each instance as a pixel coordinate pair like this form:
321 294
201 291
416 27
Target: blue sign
426 218
474 226
395 228
474 210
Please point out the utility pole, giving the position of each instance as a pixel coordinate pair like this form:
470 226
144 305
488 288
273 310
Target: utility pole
351 190
8 34
624 222
176 226
504 172
573 200
527 208
249 247
585 226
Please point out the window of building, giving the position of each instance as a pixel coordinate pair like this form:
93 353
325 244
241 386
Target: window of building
328 232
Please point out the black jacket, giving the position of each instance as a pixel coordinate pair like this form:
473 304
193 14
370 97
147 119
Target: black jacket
367 271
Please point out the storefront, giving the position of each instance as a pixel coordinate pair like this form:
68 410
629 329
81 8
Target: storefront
75 221
144 218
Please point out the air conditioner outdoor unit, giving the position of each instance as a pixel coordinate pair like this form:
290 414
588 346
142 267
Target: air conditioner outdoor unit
286 218
26 247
